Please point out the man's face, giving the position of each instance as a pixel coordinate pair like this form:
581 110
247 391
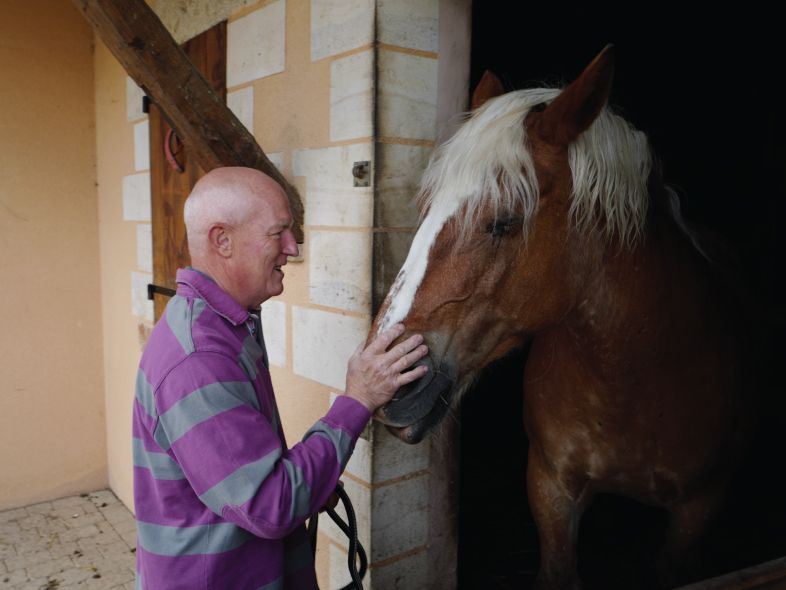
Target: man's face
262 245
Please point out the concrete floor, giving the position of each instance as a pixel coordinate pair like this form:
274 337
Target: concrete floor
85 542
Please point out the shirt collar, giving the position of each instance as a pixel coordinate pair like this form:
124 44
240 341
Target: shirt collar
208 290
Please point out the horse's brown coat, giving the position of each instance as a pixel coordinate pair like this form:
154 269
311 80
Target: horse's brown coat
636 382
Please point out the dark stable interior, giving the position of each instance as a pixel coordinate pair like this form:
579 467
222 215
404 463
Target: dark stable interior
706 90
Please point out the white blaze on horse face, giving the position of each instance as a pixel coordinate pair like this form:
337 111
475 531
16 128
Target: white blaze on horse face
402 293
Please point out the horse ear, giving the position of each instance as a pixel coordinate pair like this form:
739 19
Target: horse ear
489 87
576 107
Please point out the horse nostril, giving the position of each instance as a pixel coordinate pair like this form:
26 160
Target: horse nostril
418 384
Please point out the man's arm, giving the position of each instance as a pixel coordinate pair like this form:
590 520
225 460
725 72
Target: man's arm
231 454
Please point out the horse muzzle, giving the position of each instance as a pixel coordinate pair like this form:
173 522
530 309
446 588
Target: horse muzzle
418 406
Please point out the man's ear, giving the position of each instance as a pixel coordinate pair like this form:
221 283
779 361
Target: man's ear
220 240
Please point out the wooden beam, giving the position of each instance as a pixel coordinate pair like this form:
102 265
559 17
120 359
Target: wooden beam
144 47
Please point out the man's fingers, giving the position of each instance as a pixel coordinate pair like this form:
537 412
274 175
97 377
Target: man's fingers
409 358
411 376
403 348
380 343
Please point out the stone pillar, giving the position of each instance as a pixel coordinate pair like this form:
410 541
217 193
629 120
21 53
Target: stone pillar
422 85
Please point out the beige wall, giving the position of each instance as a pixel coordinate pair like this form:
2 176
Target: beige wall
122 347
52 440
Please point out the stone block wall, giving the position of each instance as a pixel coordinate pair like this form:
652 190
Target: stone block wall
324 85
136 206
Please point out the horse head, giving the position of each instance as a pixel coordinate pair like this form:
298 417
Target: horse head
503 246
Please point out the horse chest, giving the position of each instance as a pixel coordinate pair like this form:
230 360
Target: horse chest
591 434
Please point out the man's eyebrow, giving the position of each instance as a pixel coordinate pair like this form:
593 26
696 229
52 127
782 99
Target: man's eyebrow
284 224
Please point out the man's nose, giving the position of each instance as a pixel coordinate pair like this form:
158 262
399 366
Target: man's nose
290 244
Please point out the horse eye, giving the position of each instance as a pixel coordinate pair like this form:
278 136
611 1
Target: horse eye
502 227
539 108
498 228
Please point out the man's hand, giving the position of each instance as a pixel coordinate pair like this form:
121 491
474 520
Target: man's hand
375 373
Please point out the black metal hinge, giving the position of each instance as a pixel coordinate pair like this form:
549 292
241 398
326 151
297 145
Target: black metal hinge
153 289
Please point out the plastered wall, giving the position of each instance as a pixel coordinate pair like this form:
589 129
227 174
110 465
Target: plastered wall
52 431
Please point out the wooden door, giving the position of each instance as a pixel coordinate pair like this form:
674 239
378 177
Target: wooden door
170 187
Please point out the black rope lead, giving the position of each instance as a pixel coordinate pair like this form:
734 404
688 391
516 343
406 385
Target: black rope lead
356 550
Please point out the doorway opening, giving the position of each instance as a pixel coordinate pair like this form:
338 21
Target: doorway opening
705 91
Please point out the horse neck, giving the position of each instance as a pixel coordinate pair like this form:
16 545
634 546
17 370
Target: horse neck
636 298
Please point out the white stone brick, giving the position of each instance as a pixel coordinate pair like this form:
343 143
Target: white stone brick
399 171
339 573
144 247
359 463
274 327
277 159
241 102
350 96
407 95
339 265
331 198
409 23
134 96
393 458
140 305
402 574
340 25
323 342
136 197
256 44
142 146
400 516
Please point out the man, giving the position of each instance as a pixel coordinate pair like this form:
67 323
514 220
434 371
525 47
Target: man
220 499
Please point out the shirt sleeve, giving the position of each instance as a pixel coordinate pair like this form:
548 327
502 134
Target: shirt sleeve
210 422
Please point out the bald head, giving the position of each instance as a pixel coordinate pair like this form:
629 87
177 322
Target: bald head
239 229
225 196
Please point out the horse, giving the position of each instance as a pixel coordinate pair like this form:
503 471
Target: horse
545 220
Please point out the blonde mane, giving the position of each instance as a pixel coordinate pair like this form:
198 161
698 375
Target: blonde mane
488 162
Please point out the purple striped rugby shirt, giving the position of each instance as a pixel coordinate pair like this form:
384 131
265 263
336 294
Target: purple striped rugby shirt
220 499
